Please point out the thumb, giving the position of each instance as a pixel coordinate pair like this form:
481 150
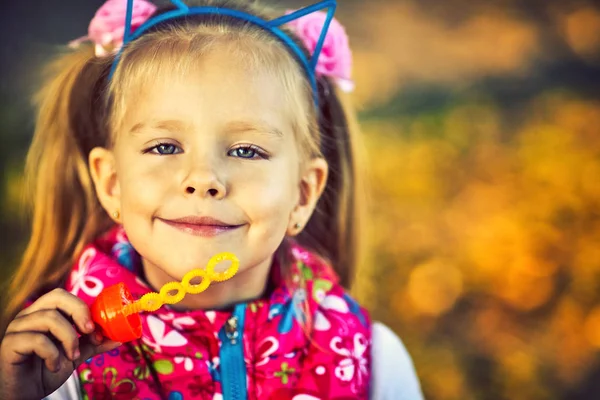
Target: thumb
88 348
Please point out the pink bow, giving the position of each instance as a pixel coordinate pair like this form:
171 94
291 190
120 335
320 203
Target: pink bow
335 60
107 27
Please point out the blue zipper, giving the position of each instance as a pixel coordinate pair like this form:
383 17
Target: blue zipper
233 367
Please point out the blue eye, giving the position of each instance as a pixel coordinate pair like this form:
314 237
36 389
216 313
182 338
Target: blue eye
247 152
165 149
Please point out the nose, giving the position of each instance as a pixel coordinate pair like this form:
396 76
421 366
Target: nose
204 181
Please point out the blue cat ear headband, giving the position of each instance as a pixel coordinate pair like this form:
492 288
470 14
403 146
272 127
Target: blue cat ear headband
272 26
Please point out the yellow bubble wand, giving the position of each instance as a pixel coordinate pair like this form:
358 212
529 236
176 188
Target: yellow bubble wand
115 311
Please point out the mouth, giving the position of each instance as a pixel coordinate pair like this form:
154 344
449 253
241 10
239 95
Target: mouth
201 226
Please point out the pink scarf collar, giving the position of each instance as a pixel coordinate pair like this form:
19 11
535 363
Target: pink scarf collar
178 356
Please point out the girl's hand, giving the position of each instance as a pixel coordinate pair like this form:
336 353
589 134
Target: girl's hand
40 349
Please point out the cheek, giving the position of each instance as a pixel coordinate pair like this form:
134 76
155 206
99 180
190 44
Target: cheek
143 182
269 191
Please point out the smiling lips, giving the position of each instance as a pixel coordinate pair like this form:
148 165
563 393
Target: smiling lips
200 226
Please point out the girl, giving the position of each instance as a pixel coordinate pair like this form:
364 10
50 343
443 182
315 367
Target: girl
214 128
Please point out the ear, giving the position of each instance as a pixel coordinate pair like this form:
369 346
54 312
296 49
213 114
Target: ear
312 183
104 175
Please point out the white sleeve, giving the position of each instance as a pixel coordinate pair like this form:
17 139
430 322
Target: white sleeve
68 391
393 373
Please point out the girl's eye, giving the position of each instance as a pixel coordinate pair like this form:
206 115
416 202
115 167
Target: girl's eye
247 152
165 149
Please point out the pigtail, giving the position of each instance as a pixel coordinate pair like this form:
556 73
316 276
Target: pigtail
333 230
65 211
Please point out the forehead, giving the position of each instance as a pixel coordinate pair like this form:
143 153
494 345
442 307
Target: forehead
220 84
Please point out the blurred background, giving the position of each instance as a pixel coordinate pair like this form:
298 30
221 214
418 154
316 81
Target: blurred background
481 124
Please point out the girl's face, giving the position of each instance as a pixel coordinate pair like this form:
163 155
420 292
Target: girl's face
207 163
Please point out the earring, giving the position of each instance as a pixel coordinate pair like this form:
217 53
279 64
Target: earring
116 214
297 225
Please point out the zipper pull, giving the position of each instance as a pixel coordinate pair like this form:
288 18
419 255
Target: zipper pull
231 353
231 329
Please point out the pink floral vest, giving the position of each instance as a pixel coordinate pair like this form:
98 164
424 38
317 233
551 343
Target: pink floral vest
179 355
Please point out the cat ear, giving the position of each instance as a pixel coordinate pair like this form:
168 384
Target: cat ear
129 15
329 5
180 5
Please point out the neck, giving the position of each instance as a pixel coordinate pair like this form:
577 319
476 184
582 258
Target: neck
249 283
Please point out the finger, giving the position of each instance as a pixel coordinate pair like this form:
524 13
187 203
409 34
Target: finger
96 337
89 349
66 302
52 322
25 344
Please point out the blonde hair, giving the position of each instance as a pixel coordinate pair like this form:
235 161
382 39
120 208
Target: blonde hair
79 108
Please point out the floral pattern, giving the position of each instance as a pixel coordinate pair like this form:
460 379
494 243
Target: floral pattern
352 367
81 279
159 337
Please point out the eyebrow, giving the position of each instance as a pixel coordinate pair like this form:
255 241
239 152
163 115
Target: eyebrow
231 127
166 125
252 126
